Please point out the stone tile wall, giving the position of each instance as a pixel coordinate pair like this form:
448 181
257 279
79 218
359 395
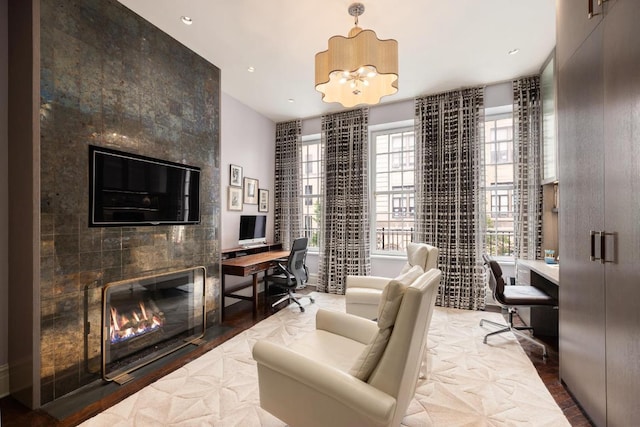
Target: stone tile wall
109 78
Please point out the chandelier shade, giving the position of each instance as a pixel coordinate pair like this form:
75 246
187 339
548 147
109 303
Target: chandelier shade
358 69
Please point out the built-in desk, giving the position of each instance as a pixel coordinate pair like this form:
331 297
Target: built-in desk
551 272
546 277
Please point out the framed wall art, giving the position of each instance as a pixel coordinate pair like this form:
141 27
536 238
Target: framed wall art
235 175
234 198
251 191
263 200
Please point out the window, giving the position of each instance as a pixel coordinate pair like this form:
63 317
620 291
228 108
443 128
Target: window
308 191
499 174
393 166
500 202
311 196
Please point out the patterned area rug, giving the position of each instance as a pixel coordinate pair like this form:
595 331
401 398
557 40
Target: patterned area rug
469 383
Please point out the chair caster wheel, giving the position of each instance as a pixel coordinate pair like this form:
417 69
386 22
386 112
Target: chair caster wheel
302 309
312 300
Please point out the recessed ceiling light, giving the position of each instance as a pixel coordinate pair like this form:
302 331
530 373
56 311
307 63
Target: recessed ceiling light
251 69
291 100
514 51
186 20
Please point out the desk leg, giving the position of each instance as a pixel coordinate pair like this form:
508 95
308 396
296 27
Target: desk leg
222 298
266 292
255 295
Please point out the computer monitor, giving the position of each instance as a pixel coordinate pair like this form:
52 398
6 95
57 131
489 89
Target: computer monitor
253 230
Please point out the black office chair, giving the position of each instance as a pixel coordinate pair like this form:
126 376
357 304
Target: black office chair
511 297
292 276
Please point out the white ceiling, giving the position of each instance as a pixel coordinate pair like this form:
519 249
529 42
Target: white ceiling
443 44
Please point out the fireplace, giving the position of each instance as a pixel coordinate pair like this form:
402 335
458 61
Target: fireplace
146 318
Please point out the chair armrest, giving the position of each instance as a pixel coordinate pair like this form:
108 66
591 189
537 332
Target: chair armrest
372 282
346 325
327 381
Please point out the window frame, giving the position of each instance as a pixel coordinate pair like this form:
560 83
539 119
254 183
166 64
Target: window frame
406 126
304 197
495 187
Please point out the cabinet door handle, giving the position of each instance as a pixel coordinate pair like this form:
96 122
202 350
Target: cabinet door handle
592 255
603 237
590 9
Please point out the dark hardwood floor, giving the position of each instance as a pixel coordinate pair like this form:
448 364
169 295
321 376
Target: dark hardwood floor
238 318
549 371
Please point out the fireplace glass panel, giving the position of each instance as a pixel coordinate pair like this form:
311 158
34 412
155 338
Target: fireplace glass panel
146 318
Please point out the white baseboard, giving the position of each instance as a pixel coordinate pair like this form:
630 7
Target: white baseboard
4 380
313 279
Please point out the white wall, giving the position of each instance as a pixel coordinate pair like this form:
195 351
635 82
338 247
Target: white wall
378 114
498 94
247 140
4 196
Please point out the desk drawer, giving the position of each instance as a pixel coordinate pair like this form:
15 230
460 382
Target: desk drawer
523 275
254 269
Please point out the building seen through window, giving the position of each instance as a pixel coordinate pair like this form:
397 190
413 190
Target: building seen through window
312 175
498 179
393 168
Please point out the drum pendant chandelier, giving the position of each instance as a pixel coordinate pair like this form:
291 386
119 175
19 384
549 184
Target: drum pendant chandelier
358 69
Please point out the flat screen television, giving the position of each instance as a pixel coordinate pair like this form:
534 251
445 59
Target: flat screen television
130 190
253 230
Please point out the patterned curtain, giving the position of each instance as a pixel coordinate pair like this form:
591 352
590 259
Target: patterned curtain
449 143
287 182
344 248
527 190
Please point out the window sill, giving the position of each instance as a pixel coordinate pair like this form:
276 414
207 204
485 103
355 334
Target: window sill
399 255
504 260
390 256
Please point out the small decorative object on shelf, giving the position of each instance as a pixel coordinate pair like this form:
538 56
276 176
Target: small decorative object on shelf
549 256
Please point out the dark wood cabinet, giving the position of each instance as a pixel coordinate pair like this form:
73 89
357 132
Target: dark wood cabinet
572 19
599 175
622 210
581 176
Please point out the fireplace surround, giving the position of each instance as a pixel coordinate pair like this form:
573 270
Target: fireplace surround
123 85
146 318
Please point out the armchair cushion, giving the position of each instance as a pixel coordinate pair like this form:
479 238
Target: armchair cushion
422 254
370 356
387 313
389 302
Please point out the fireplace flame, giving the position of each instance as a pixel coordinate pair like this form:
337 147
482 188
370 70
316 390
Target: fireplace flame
135 323
114 320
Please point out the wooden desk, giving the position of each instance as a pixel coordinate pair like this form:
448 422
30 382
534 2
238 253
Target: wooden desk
243 266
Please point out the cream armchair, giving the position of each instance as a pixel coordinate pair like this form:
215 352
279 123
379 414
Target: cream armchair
352 371
363 292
